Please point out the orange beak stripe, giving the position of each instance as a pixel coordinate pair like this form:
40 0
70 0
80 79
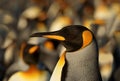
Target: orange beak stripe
57 37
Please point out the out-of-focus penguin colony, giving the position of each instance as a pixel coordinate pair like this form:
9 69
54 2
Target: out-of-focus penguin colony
21 18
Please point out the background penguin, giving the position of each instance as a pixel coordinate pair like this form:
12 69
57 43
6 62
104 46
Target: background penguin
106 59
49 51
3 33
116 55
18 64
7 45
30 54
80 60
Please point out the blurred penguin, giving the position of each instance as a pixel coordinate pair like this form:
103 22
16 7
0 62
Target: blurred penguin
49 52
116 55
60 22
6 49
30 55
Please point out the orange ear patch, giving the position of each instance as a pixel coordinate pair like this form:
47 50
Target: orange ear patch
33 49
49 45
87 38
57 37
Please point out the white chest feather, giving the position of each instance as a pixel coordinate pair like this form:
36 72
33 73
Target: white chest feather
36 76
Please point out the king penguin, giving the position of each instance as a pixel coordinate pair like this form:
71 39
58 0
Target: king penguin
30 55
79 62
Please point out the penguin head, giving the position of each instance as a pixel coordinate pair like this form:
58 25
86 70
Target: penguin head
73 37
30 54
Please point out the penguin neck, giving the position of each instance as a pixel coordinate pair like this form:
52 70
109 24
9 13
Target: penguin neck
88 53
84 63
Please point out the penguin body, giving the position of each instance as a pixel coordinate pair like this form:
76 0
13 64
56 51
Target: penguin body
33 74
80 60
75 62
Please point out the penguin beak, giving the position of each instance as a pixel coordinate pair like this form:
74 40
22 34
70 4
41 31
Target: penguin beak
50 35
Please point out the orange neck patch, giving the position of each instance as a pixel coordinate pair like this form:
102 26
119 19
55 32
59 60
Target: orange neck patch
57 73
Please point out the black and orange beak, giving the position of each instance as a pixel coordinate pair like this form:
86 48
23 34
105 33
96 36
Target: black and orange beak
50 35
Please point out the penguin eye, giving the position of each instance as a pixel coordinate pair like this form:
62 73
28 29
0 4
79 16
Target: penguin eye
33 49
87 38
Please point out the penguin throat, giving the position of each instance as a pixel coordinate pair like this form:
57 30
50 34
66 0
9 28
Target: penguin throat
71 47
32 68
